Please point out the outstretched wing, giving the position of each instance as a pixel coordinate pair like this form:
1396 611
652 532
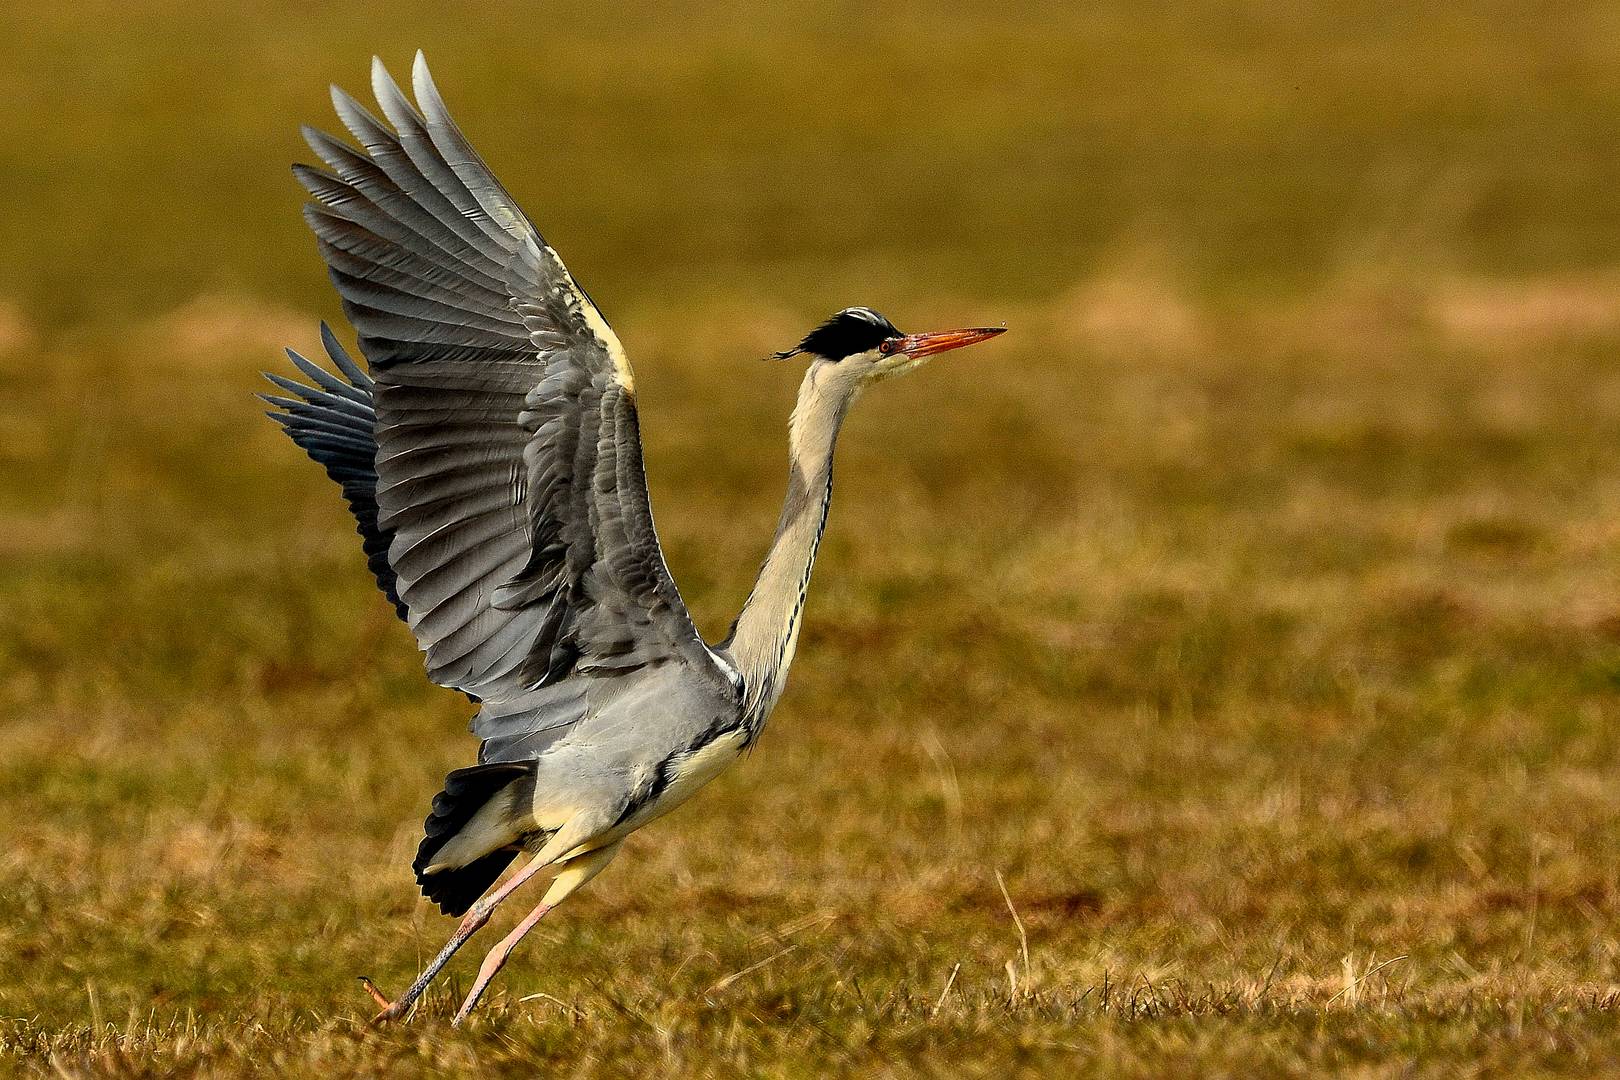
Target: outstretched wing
508 462
332 421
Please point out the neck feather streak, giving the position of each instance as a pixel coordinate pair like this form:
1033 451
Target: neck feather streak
765 634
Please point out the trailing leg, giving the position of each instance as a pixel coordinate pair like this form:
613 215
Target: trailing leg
578 831
471 923
575 873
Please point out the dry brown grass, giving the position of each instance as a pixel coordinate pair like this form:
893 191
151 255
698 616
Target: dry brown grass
1215 676
1275 682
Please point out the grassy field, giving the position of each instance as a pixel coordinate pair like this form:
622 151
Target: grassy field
1218 675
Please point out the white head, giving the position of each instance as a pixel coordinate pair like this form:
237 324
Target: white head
867 347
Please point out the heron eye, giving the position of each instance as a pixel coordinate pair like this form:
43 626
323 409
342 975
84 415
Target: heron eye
886 347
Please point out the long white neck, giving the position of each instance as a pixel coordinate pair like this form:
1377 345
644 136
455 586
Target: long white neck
767 630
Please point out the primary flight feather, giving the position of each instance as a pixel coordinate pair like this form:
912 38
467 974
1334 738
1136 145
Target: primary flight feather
492 460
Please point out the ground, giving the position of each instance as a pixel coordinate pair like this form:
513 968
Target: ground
1218 674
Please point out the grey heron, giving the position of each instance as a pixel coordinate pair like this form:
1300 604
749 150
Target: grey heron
491 456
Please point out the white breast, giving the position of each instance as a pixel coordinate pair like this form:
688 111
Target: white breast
691 771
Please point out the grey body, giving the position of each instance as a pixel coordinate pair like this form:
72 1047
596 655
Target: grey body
492 459
616 743
644 743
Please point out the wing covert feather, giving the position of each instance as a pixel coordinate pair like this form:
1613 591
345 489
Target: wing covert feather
508 471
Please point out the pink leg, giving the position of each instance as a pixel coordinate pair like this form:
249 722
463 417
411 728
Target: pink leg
471 923
574 874
497 957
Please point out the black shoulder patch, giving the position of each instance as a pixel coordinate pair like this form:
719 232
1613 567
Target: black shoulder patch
853 330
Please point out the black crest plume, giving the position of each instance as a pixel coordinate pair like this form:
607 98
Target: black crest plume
853 330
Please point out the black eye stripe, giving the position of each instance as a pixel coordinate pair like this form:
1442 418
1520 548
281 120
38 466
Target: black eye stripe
851 331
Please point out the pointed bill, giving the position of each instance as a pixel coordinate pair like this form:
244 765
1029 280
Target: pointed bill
919 345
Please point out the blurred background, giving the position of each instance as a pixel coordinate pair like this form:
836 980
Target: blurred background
1253 607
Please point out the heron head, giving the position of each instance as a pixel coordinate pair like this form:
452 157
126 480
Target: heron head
869 346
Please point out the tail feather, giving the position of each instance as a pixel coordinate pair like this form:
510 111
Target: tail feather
466 791
457 890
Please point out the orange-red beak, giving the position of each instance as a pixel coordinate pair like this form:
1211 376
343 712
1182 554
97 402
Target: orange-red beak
944 341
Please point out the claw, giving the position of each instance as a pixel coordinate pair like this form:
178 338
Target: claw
390 1011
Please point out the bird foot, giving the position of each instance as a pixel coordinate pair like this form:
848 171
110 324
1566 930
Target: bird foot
390 1009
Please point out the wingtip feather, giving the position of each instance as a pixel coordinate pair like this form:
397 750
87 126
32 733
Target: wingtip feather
292 386
323 378
340 356
313 177
395 105
422 79
320 143
431 102
357 118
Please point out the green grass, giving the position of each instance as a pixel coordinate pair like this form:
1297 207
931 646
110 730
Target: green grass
1217 675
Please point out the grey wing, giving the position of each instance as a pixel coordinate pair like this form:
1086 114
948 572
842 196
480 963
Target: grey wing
332 422
508 456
